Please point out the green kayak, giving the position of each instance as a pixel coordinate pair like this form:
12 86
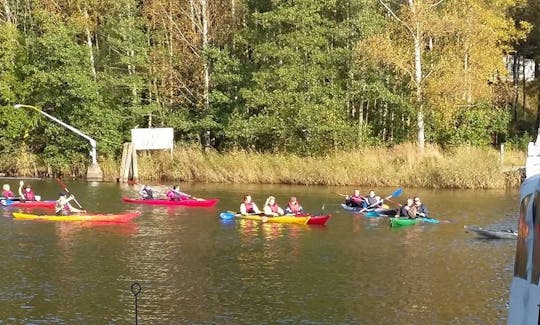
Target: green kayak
404 221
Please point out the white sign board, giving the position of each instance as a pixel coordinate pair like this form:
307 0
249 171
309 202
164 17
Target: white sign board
152 139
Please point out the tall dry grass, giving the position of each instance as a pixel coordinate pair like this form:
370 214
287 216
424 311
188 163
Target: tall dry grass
402 165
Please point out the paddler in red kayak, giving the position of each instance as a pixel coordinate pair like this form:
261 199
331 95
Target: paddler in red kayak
174 194
248 206
271 208
6 192
63 207
27 194
146 192
294 207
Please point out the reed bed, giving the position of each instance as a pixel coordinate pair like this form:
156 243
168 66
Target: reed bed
402 165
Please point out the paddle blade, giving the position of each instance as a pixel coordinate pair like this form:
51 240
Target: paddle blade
397 192
227 215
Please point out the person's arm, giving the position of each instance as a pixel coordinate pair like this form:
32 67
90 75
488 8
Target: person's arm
256 209
74 209
280 211
182 193
21 183
423 212
268 211
243 210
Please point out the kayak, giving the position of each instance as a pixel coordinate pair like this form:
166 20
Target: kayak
492 234
121 217
304 219
28 204
186 203
404 221
358 209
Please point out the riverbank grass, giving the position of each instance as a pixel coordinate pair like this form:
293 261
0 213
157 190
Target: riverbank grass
462 167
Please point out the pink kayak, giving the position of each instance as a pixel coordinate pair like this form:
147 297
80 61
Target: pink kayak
186 203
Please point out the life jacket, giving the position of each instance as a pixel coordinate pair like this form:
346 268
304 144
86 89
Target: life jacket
294 207
7 193
371 200
274 207
149 195
29 196
59 207
249 207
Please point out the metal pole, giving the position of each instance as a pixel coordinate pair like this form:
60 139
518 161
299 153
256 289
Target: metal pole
93 143
136 289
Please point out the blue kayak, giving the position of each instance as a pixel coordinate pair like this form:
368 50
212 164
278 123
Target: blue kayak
370 213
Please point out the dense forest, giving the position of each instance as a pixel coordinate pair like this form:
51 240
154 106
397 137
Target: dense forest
274 76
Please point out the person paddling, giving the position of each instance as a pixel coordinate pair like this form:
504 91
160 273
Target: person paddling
248 206
63 207
271 208
408 210
27 194
147 193
355 200
294 207
174 194
373 201
6 192
421 209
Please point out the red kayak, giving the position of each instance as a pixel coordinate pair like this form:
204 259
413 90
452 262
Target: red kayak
318 220
314 219
30 204
186 203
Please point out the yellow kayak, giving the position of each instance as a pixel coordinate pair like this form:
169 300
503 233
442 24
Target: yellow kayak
280 219
122 217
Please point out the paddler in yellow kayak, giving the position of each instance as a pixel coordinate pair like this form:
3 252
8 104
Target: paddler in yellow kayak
271 208
294 207
248 206
63 207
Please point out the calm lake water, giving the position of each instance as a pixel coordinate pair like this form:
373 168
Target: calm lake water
195 269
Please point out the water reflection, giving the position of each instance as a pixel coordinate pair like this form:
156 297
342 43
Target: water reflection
197 269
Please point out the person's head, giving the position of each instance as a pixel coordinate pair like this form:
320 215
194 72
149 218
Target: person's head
247 198
270 200
371 193
356 192
61 195
5 187
410 201
293 199
28 188
417 201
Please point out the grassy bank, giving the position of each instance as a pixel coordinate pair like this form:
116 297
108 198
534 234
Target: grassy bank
463 167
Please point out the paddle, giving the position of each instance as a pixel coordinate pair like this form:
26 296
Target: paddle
356 199
231 214
67 191
395 193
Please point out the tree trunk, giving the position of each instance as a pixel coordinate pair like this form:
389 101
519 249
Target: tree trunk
418 81
89 44
7 11
206 68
